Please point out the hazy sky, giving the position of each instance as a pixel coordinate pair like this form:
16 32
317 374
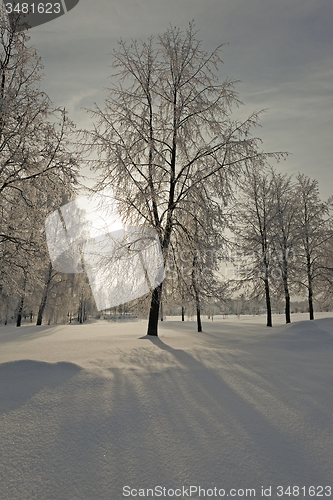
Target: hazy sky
281 50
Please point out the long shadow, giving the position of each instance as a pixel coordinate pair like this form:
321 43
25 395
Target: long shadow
273 444
210 331
26 332
21 380
188 326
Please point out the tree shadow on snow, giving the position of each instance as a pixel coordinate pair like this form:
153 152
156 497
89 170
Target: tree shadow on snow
11 333
21 380
271 442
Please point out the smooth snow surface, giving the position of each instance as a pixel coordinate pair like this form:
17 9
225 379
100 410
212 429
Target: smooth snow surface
88 409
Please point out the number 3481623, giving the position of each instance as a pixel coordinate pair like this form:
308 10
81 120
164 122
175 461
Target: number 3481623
34 8
304 491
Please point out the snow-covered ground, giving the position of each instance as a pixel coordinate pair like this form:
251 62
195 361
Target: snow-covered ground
88 409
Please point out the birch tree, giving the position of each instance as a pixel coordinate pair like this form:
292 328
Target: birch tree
313 233
37 161
200 237
284 234
166 131
253 225
326 263
35 139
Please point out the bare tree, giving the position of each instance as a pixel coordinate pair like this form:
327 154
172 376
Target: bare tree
37 163
166 131
200 237
326 264
34 138
284 234
252 223
313 233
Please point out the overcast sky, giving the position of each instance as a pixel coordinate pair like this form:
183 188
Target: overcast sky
281 50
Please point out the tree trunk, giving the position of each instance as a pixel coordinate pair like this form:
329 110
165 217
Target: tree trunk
19 313
268 303
161 316
80 313
285 283
287 310
85 310
310 288
44 297
183 313
196 294
287 298
311 302
21 303
199 319
154 310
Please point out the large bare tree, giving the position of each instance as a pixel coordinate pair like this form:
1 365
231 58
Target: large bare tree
34 137
166 131
38 164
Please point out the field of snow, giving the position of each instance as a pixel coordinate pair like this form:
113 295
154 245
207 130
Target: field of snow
86 410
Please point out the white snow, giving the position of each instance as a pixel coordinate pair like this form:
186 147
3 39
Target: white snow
88 409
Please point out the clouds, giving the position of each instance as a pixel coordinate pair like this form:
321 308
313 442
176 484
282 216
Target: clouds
281 51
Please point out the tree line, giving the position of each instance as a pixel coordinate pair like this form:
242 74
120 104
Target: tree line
177 160
284 233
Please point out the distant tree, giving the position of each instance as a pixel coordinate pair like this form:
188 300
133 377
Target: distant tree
166 132
313 234
253 224
326 262
284 237
201 237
